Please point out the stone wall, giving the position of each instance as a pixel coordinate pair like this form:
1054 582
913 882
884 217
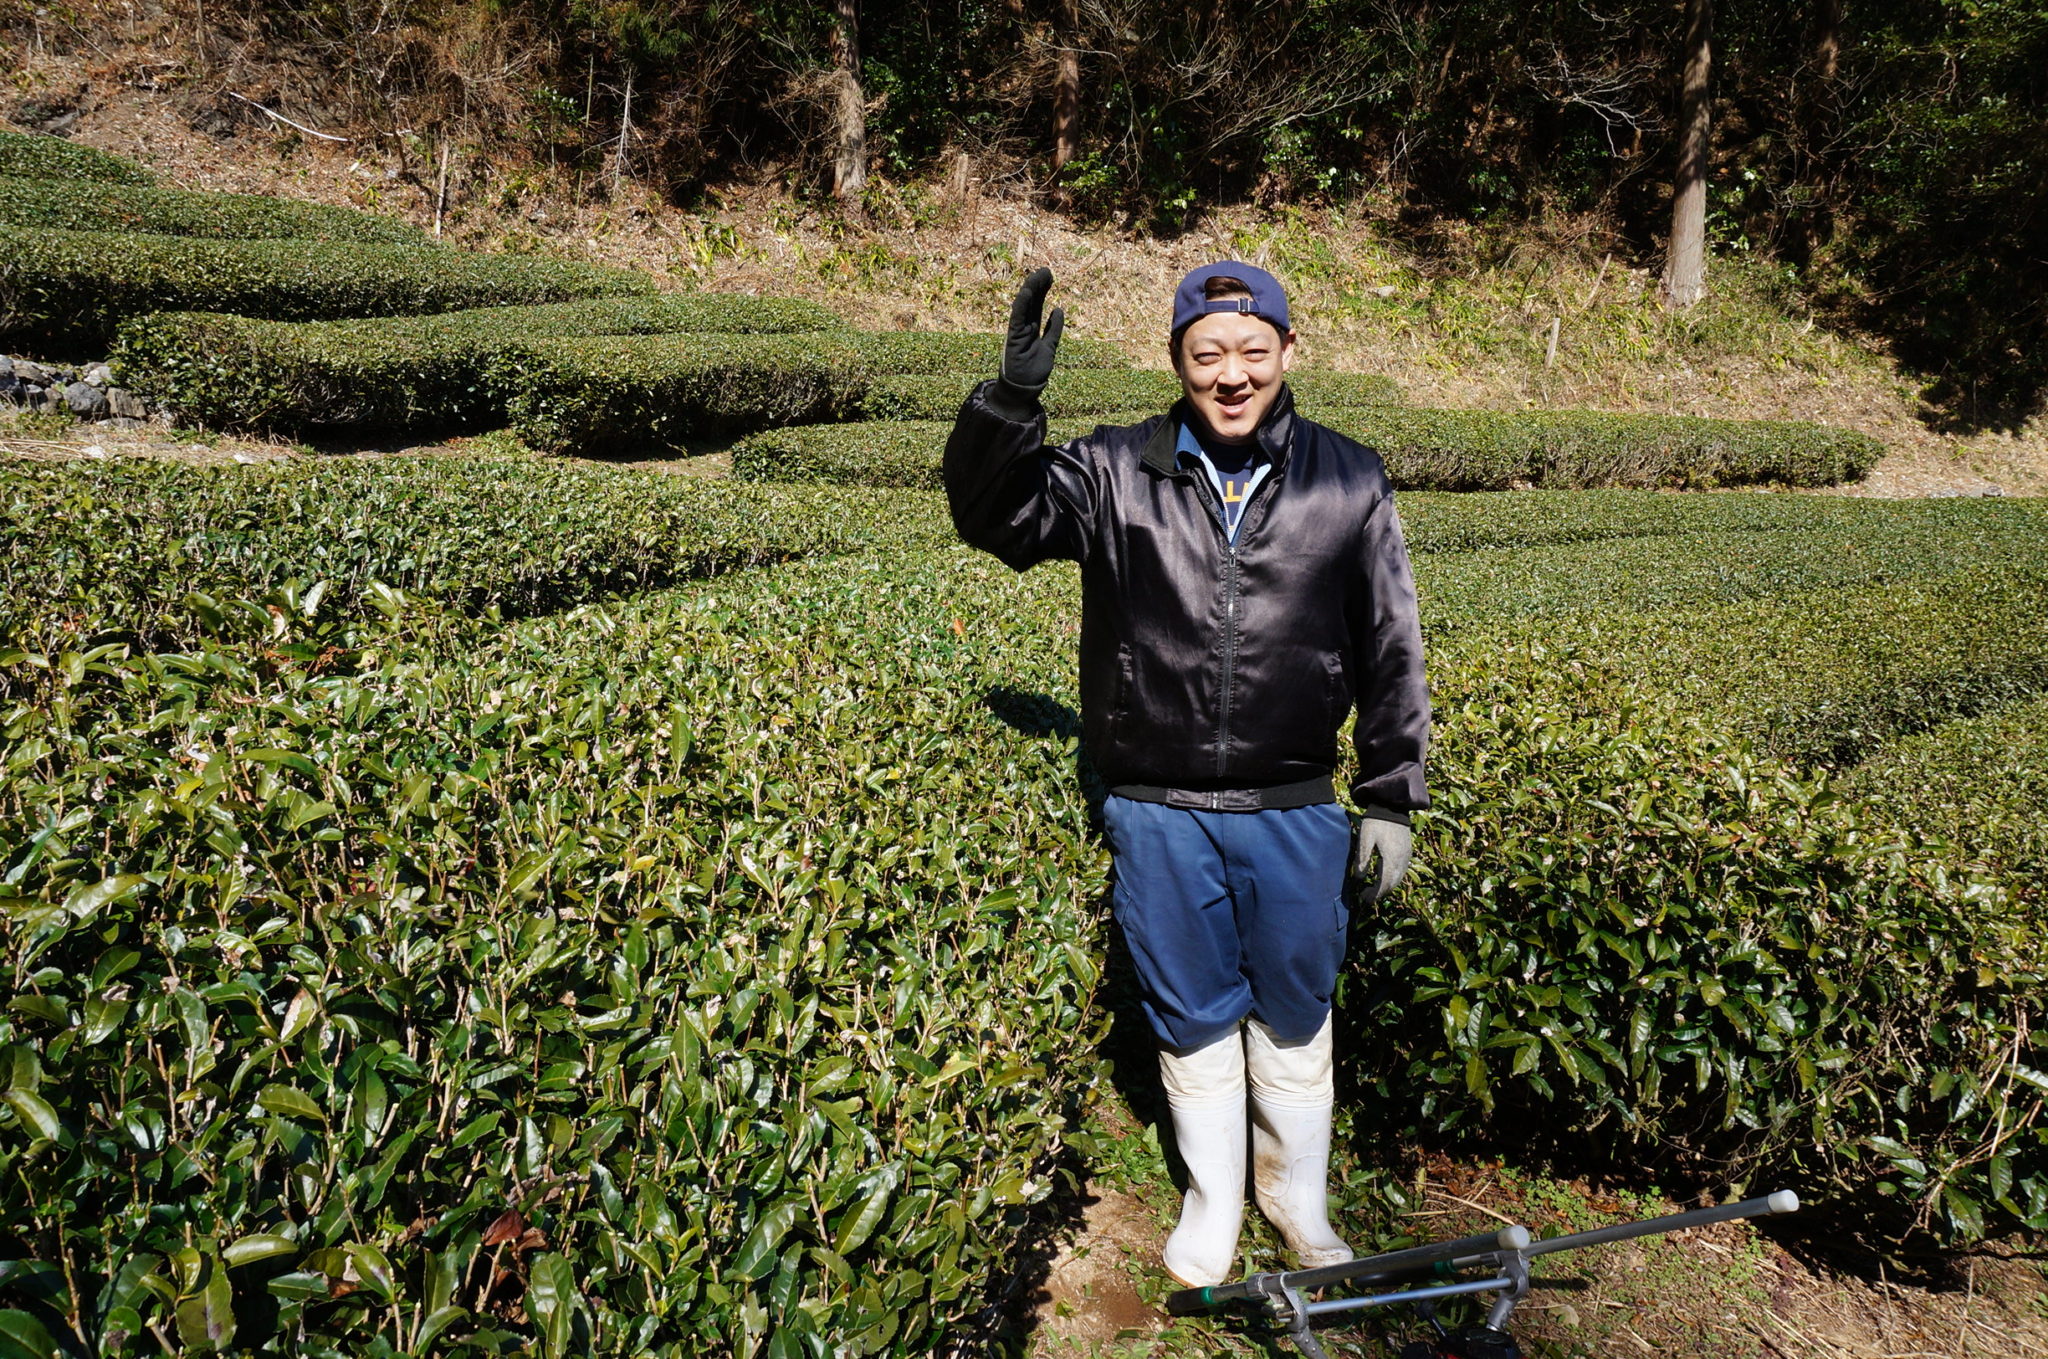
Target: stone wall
86 393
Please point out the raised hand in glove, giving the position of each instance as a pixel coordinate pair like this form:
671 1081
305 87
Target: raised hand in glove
1028 354
1393 843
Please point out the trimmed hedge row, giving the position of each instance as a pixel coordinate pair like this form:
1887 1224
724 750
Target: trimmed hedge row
416 373
72 288
887 453
646 982
1649 574
30 155
1085 392
1423 449
1627 928
95 205
1459 450
1823 677
150 552
1469 521
588 396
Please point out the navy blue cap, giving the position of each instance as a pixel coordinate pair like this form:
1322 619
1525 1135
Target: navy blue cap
1268 300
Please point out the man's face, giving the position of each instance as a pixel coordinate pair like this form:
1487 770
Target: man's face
1230 367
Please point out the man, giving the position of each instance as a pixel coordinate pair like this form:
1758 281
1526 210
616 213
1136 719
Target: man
1244 583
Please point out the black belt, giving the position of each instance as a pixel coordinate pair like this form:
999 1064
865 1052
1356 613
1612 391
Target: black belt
1307 793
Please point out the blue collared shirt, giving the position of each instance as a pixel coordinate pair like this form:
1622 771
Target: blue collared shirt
1233 488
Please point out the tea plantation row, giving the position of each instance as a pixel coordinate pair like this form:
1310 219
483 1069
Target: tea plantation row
717 969
91 552
1448 450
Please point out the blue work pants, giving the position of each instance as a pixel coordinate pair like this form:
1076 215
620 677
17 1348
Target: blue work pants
1230 914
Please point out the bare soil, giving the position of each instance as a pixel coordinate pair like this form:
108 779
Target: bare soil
1729 1290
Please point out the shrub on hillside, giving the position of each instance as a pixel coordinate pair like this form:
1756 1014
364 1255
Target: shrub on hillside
1978 784
605 987
94 205
30 155
416 373
1879 543
70 289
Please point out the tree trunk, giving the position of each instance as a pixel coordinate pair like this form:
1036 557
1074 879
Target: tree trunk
1827 40
849 109
1066 89
1685 267
625 131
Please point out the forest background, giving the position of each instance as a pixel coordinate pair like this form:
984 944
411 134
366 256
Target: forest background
1886 154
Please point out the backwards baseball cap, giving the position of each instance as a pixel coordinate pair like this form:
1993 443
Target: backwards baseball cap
1268 300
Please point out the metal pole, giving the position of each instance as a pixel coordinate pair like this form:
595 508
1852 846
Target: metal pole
1784 1201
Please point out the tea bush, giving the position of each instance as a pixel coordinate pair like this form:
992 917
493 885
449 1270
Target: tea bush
30 155
1093 392
1880 542
1827 676
1437 450
889 453
1625 925
71 289
595 394
94 205
151 552
1456 450
415 373
711 973
718 967
1978 784
1471 521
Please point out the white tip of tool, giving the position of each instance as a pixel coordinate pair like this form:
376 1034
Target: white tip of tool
1784 1201
1513 1238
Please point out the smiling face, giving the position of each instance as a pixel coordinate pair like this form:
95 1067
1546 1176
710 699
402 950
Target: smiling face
1230 366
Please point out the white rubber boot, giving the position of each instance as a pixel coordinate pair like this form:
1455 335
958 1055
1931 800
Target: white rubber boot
1293 1094
1205 1090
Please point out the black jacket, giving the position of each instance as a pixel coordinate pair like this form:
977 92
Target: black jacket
1206 667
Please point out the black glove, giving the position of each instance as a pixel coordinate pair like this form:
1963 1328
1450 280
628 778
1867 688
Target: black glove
1027 354
1395 845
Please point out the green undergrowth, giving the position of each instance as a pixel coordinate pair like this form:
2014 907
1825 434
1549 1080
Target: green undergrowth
413 373
1882 544
96 205
29 155
1824 677
70 290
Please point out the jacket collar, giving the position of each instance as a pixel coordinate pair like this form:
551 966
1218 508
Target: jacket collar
1275 434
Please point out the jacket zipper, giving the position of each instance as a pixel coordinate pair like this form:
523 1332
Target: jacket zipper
1230 593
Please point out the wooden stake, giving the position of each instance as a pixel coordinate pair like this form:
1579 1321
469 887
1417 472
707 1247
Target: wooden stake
441 190
625 132
1550 353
